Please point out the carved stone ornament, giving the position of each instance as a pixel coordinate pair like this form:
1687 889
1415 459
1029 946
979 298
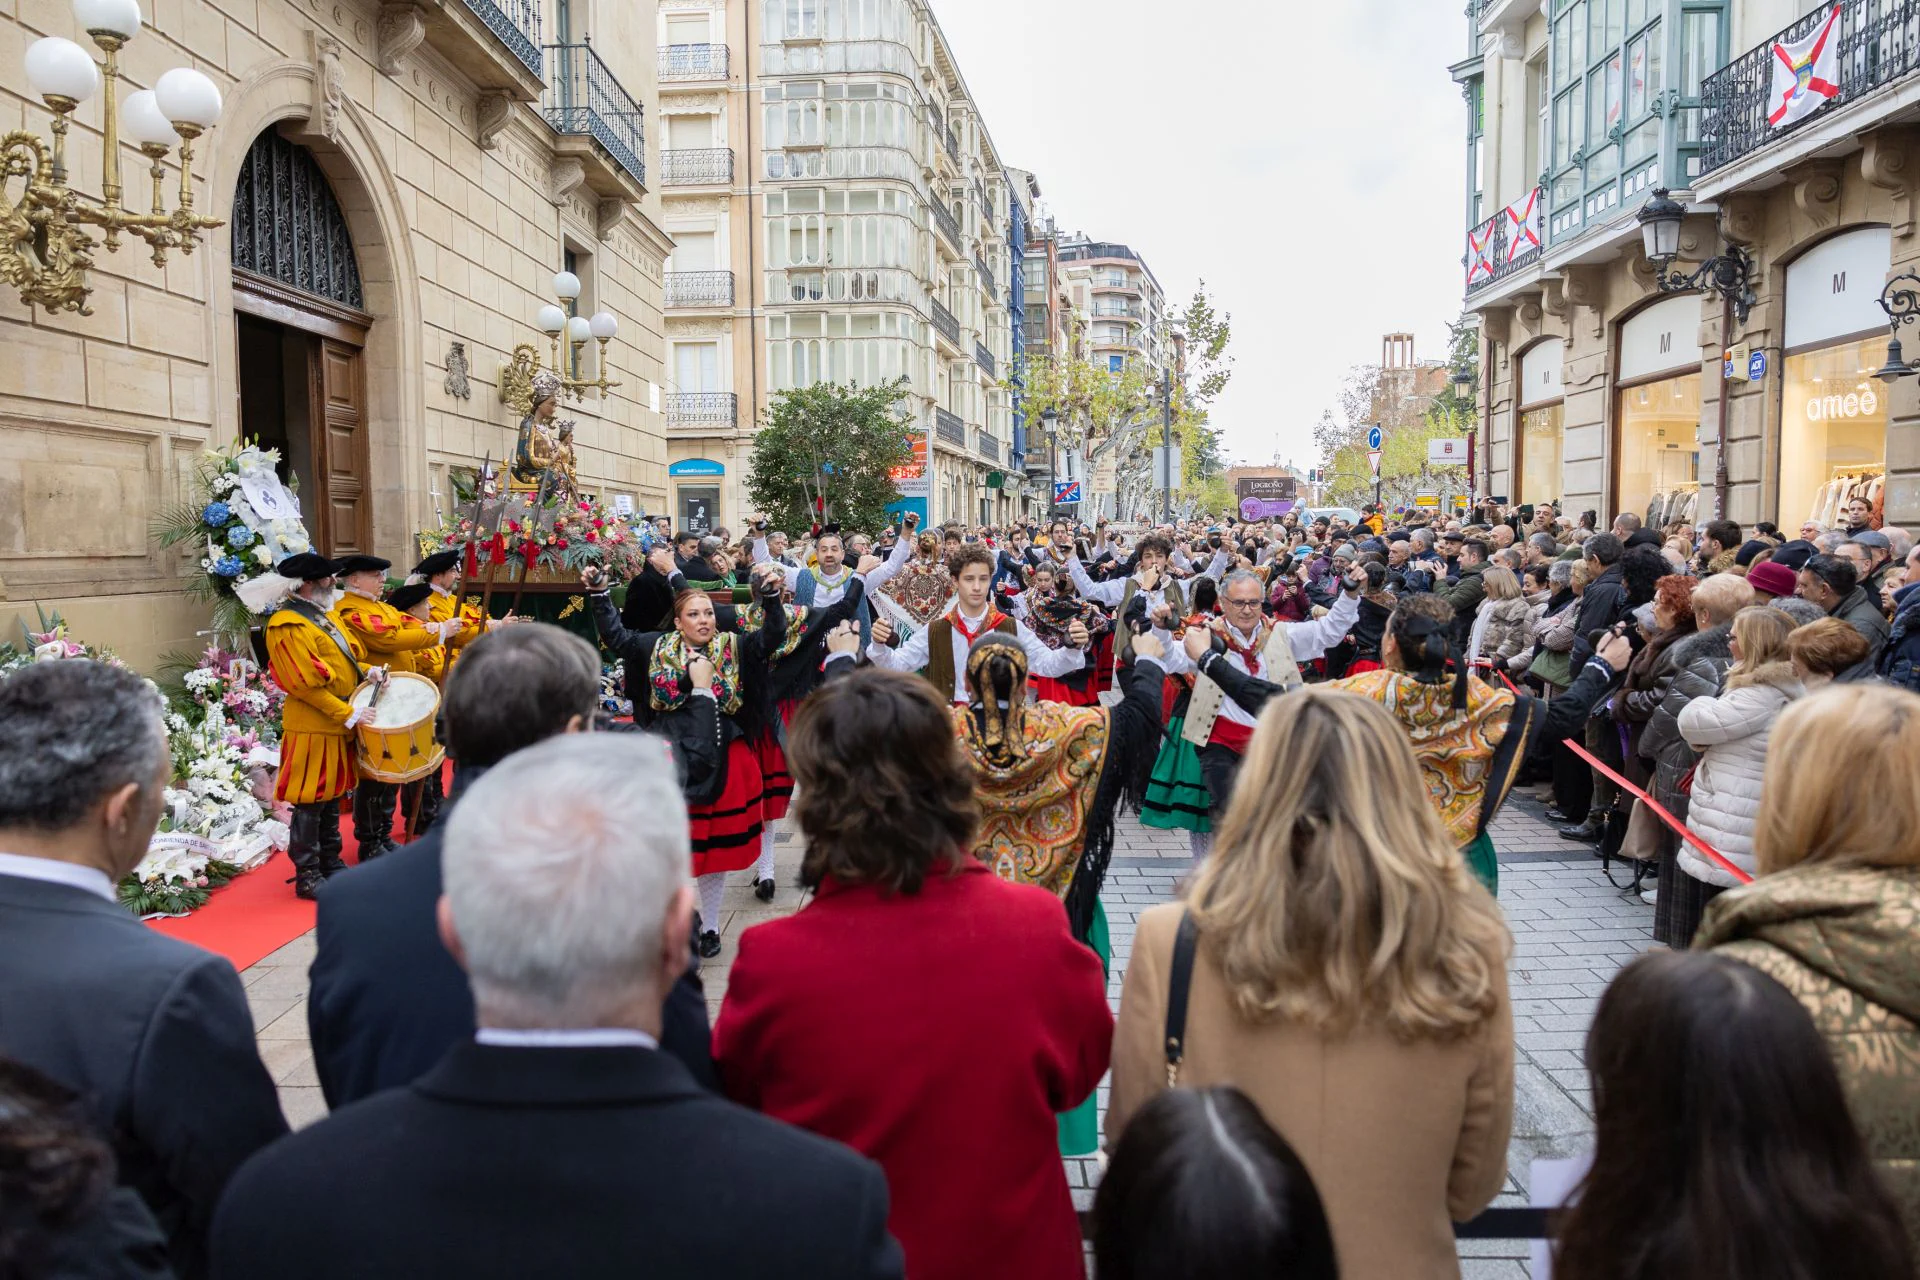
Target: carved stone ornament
403 28
491 112
456 384
608 215
1743 216
1528 311
1816 190
566 175
1553 297
329 86
1587 291
516 380
1885 162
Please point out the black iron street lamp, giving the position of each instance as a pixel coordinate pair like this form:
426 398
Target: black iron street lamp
1901 306
1728 276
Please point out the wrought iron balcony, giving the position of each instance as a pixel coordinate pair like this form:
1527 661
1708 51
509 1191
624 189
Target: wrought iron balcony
943 219
986 277
953 142
948 427
585 100
516 24
699 288
1877 43
702 408
701 167
984 358
1496 249
693 62
945 324
986 446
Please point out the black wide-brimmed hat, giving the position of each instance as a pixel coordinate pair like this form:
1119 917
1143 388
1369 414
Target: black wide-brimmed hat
437 563
362 564
308 566
404 598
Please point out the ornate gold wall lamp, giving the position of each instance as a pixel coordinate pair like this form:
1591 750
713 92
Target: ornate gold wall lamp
44 253
516 380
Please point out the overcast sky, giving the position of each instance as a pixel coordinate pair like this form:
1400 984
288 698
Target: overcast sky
1307 161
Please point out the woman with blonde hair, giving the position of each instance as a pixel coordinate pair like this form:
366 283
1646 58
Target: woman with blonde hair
1504 625
1342 966
1831 917
1730 731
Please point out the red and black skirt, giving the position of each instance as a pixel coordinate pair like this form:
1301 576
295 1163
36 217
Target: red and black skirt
726 831
776 782
1048 689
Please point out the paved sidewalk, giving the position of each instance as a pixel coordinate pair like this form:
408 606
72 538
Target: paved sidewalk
1572 932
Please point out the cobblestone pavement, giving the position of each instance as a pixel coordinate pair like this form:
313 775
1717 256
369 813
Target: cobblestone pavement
1572 931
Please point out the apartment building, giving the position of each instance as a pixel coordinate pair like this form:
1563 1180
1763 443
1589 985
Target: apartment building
839 214
1119 300
1612 382
397 187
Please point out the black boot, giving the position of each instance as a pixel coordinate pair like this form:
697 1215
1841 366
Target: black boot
303 849
363 820
331 845
429 805
385 801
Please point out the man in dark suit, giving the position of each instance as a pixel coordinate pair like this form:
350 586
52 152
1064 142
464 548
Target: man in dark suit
152 1033
385 999
558 1140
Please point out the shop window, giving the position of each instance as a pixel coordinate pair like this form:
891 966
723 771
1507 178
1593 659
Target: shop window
1833 430
1657 463
1541 431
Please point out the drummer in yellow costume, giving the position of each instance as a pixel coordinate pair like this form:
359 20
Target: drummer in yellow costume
420 800
319 666
375 627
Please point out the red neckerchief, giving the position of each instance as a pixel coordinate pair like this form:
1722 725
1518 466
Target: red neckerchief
1249 653
989 623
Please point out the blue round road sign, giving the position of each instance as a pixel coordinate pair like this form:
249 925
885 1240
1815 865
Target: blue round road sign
1373 437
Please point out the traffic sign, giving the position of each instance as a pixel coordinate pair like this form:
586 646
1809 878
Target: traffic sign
1065 491
1373 438
1426 498
1373 459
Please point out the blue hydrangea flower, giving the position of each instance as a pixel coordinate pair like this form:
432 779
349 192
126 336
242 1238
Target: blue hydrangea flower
229 566
217 514
240 537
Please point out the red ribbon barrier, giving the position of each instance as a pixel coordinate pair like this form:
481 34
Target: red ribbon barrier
1680 828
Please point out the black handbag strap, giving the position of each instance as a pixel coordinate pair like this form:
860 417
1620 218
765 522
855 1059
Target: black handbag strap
1179 982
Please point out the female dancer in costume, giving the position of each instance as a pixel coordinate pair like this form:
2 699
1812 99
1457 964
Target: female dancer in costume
1048 612
724 785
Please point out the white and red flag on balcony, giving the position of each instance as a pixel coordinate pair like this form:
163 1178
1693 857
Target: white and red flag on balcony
1480 251
1523 224
1806 72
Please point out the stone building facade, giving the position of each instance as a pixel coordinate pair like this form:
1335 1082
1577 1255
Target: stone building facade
443 161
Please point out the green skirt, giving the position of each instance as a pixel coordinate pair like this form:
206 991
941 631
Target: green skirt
1483 862
1177 798
1080 1127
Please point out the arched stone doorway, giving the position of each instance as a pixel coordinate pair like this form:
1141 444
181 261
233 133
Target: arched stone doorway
301 332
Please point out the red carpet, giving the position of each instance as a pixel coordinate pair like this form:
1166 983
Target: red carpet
257 914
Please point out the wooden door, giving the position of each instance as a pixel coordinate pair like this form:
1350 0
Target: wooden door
344 506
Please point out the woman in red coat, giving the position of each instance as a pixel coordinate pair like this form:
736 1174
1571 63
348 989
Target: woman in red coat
920 1009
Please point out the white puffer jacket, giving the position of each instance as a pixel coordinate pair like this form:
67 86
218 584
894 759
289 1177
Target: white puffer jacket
1731 733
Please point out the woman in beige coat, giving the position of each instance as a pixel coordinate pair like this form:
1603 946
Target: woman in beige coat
1350 977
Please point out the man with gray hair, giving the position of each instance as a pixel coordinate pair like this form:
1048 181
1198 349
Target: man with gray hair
386 1001
558 1140
153 1034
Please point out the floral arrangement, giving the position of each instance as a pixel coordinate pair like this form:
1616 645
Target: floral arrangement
49 644
245 521
220 818
564 535
244 693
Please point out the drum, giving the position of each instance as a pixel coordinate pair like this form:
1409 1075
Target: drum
396 740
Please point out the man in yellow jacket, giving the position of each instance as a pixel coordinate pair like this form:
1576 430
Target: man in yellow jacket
319 667
376 627
440 571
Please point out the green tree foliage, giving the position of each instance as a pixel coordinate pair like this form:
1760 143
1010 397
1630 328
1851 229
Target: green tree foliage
832 444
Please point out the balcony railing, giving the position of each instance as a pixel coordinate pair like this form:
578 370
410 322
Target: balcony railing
1878 43
702 408
699 288
516 23
843 284
701 167
986 446
1496 260
944 322
984 358
953 142
986 277
943 219
693 62
584 98
948 426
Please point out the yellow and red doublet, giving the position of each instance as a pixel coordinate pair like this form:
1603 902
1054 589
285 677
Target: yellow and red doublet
318 664
473 623
375 627
430 662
